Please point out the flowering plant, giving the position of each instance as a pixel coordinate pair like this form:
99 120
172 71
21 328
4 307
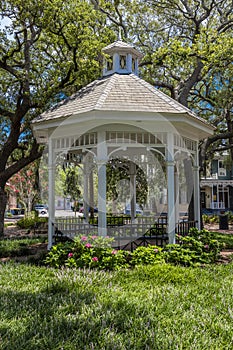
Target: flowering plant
198 248
90 251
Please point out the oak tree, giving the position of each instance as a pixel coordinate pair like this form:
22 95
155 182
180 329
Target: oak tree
45 47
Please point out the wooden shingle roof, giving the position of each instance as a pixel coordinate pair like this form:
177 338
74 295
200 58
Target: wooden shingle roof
116 92
119 46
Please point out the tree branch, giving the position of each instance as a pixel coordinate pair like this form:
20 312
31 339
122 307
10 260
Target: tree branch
35 153
189 83
6 113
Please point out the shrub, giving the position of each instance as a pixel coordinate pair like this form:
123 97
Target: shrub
30 222
230 217
210 219
94 241
146 255
226 240
58 254
214 219
87 251
206 219
198 248
113 259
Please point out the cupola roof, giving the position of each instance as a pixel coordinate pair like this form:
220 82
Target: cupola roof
122 47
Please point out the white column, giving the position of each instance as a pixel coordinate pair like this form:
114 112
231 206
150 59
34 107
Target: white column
85 188
132 173
91 186
177 202
101 163
51 193
136 66
196 193
170 188
212 196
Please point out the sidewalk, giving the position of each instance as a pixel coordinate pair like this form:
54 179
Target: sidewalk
215 228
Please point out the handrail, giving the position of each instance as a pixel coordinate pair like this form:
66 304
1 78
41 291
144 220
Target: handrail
142 231
184 226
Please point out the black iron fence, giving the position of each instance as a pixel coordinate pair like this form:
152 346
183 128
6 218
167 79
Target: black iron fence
184 226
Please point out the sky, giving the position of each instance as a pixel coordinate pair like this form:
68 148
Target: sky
5 21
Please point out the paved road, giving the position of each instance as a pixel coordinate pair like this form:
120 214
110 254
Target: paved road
63 213
58 213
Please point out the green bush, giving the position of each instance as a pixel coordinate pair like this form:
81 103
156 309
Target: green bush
226 239
206 219
230 217
214 219
58 254
30 222
198 248
147 255
87 251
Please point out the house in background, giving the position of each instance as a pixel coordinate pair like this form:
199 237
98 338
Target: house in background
62 203
11 197
217 187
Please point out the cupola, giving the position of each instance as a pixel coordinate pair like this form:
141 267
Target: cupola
122 58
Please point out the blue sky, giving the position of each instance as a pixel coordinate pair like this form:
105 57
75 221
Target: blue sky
5 21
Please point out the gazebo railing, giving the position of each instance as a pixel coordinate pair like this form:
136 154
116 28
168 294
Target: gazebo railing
72 226
127 233
121 226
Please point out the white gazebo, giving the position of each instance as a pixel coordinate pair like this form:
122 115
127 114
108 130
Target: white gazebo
121 116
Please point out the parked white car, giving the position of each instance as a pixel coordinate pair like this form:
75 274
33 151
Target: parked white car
42 209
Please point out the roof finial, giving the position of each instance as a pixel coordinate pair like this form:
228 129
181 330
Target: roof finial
119 34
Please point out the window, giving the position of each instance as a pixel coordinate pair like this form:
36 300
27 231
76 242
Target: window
123 62
133 65
110 63
221 168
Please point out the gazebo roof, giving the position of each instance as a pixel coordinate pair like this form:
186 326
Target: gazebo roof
117 92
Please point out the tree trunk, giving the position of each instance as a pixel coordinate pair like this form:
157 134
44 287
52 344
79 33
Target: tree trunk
3 202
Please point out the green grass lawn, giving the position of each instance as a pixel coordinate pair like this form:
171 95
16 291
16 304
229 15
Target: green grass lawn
18 247
159 307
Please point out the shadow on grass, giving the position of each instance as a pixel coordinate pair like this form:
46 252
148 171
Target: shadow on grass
45 320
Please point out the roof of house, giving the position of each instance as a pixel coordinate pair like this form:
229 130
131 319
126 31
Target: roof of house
117 92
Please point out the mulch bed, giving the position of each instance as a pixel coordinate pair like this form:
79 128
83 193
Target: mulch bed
35 251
